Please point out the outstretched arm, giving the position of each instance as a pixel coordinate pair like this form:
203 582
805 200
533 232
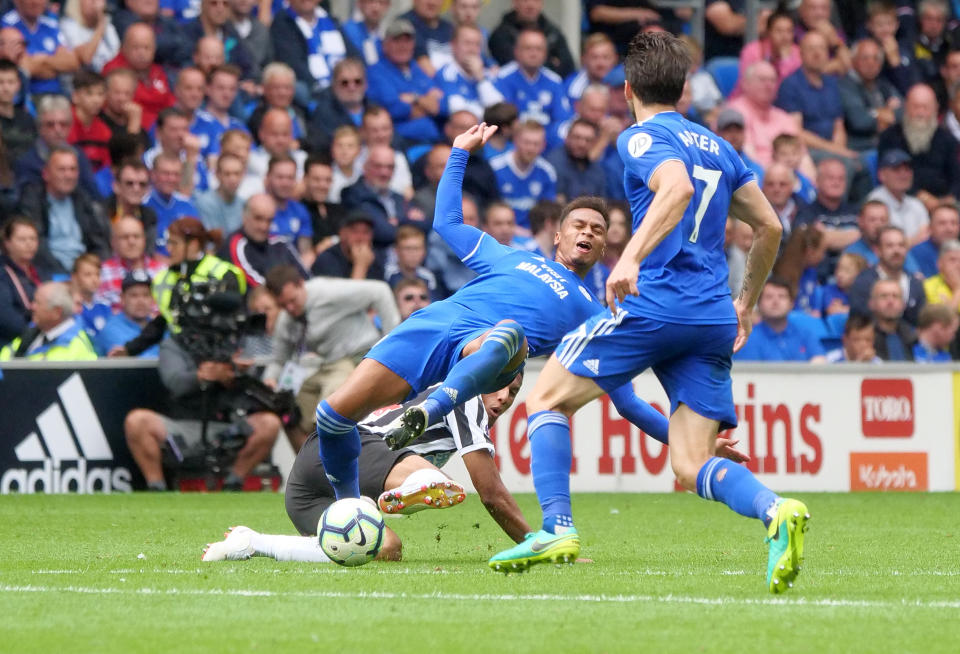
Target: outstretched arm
495 497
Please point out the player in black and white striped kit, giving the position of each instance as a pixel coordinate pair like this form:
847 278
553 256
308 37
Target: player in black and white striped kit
406 480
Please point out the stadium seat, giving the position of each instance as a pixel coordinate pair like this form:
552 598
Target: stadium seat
726 72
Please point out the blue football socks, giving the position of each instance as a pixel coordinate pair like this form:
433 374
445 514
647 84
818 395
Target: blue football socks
476 373
640 413
339 443
550 458
731 483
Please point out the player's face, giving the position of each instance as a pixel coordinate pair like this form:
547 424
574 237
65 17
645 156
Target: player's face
581 239
497 403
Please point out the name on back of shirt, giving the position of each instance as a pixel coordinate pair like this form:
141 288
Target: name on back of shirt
550 277
702 141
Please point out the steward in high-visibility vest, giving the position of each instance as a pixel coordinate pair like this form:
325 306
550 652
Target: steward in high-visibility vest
55 334
189 264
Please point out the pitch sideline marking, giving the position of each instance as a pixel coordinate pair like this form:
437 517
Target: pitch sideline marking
613 599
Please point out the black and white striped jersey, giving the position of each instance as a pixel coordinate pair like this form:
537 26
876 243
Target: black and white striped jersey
462 430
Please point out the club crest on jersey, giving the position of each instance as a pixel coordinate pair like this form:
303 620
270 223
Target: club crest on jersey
639 144
535 188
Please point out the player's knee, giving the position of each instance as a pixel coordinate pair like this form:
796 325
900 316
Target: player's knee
686 472
511 335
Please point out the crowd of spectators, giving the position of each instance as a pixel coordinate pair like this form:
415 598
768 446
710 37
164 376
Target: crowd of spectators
316 143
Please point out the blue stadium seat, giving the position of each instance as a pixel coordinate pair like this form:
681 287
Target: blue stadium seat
725 71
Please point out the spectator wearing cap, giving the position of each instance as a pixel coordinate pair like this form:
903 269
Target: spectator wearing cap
895 172
55 335
762 121
891 255
398 84
778 337
136 308
894 336
353 255
576 174
372 195
366 32
944 287
43 37
936 330
252 249
936 171
464 81
871 103
128 244
344 102
535 90
152 91
433 35
71 223
528 14
944 226
309 40
730 126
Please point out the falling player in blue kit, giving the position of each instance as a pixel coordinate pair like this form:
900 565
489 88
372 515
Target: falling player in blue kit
477 340
674 315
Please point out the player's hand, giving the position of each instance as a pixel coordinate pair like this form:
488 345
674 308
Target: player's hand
744 324
474 137
622 282
117 351
726 448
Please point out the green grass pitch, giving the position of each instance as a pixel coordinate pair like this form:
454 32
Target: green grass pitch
671 573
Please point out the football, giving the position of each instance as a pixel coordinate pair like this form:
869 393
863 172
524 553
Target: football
351 531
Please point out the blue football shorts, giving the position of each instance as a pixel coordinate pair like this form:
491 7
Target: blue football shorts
692 362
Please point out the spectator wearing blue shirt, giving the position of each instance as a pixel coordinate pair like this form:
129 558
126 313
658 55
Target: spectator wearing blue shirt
598 60
309 40
528 14
366 34
936 330
408 261
291 222
813 96
174 139
874 216
944 226
523 176
433 34
464 80
210 122
895 337
43 37
777 337
166 202
576 173
137 305
857 343
399 84
891 254
505 116
536 91
84 282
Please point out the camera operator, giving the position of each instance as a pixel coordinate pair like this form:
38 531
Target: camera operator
190 264
206 396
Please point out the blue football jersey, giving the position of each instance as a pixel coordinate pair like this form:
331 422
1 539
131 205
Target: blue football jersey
684 279
523 189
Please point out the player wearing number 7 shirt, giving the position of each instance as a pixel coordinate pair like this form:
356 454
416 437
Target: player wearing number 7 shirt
674 316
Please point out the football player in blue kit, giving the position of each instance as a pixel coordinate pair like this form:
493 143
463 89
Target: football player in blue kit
476 340
670 310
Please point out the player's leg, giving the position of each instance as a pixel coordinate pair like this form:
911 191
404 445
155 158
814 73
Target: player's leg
371 386
415 484
146 433
701 398
484 364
